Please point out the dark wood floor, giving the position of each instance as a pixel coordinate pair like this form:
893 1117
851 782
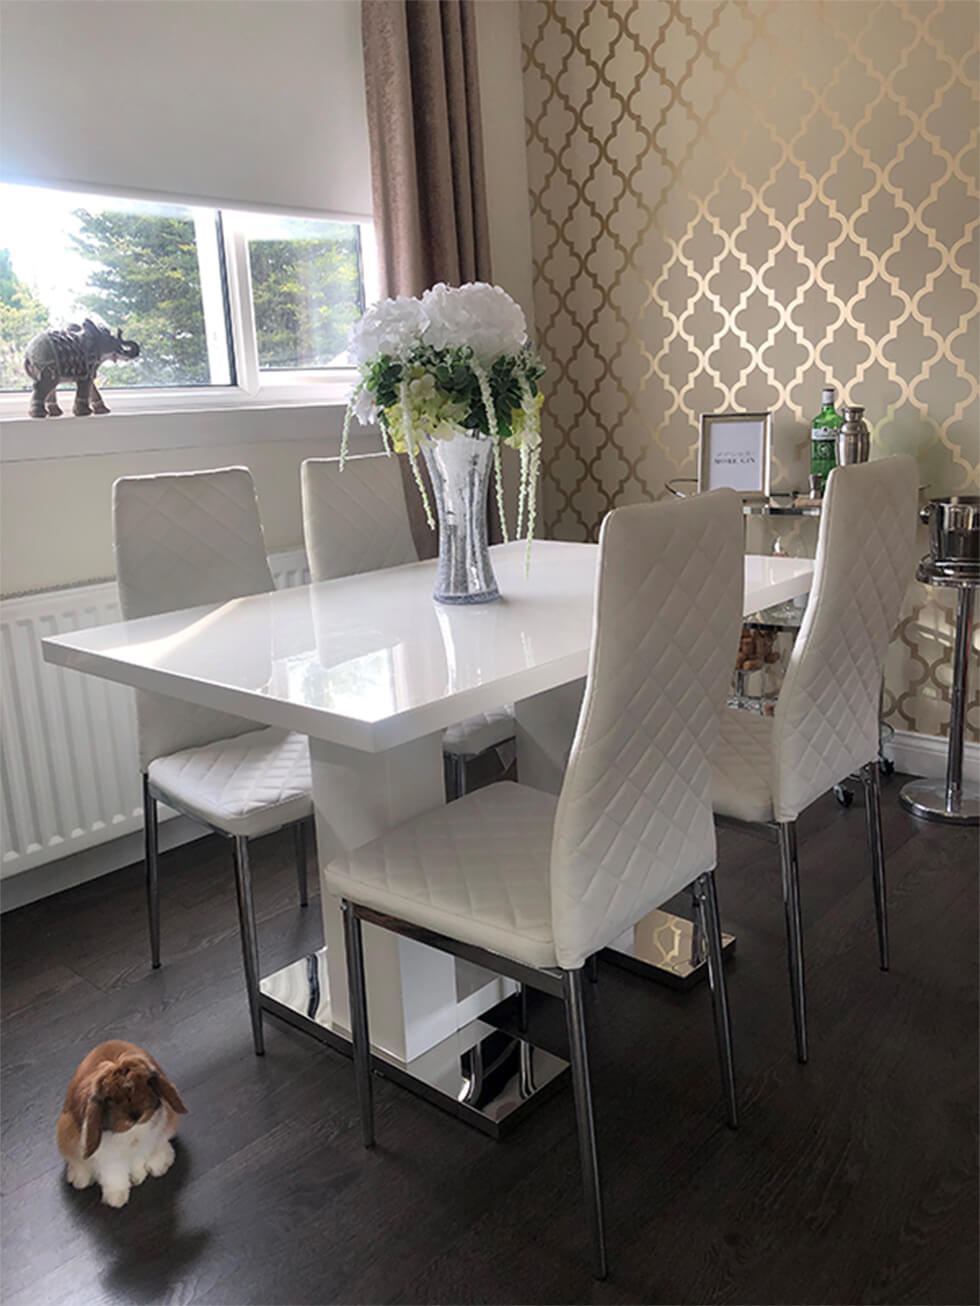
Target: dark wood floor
853 1179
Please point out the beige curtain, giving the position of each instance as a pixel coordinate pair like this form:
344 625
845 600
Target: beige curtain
423 101
429 189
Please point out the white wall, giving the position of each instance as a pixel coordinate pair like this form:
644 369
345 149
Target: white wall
55 527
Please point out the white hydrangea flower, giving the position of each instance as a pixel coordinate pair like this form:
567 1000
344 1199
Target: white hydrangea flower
392 327
479 315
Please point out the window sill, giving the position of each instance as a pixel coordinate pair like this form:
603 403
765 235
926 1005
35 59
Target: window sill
157 419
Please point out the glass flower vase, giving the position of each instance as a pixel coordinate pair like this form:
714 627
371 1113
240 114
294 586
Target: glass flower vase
460 473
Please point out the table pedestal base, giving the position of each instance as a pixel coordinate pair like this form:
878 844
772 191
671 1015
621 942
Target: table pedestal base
482 1075
662 947
927 799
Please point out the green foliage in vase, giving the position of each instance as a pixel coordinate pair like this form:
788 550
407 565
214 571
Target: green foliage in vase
445 393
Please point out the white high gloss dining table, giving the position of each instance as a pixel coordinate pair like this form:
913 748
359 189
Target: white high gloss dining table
372 670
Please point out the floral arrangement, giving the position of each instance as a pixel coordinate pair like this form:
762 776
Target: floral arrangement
455 362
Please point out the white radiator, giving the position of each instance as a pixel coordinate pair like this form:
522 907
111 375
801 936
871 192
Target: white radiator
68 768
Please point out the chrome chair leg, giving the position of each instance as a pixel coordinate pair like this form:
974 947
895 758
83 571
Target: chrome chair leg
585 1121
522 1008
706 906
872 804
250 941
150 838
456 779
790 868
299 844
360 1037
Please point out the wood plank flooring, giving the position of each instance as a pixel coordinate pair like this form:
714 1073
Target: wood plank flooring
853 1179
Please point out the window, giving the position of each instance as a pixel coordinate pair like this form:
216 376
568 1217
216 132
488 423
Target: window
307 289
228 305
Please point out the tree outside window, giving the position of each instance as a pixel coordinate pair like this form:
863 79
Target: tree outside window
156 271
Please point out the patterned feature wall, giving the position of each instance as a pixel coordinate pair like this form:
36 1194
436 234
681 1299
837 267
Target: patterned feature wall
735 203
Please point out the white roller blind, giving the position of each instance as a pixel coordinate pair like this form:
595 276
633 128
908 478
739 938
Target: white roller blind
247 103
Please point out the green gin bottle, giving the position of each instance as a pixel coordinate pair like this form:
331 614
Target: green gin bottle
823 440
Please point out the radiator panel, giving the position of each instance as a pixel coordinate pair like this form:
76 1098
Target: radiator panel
68 768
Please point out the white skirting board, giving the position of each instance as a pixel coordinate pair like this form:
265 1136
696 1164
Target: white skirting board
926 755
77 868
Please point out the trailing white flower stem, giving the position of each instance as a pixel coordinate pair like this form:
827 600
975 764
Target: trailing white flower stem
347 419
522 495
483 381
534 460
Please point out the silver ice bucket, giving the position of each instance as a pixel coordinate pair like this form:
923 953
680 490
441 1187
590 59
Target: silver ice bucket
954 528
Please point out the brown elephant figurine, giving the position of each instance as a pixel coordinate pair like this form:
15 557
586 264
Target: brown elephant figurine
73 354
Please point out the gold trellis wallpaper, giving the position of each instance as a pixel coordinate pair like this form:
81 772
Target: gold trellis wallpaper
734 203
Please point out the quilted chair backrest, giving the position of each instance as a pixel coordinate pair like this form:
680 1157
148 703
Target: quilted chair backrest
826 720
634 822
181 540
355 520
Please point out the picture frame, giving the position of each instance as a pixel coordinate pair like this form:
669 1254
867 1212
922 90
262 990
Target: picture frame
734 453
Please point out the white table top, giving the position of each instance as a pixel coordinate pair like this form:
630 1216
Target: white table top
371 661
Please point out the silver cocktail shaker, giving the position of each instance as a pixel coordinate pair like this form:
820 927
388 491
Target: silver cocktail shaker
853 438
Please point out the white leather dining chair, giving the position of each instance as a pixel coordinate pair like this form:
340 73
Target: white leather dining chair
356 521
531 885
767 770
181 540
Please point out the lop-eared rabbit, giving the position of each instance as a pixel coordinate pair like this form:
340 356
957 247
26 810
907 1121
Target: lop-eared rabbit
119 1115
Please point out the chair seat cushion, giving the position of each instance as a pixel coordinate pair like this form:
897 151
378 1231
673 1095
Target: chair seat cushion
246 786
741 766
478 733
477 869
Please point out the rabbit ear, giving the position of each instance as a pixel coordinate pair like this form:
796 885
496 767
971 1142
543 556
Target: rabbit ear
92 1125
168 1092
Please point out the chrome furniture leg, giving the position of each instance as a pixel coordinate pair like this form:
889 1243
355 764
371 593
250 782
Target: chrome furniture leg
706 907
250 942
951 800
961 656
457 776
522 1008
872 804
360 1038
299 843
150 837
584 1118
789 866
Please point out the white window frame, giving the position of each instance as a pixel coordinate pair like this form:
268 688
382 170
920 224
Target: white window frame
27 437
311 385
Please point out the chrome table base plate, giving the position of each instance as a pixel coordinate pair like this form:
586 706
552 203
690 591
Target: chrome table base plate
927 799
483 1075
662 948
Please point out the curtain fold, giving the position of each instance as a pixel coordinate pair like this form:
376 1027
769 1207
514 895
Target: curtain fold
427 174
